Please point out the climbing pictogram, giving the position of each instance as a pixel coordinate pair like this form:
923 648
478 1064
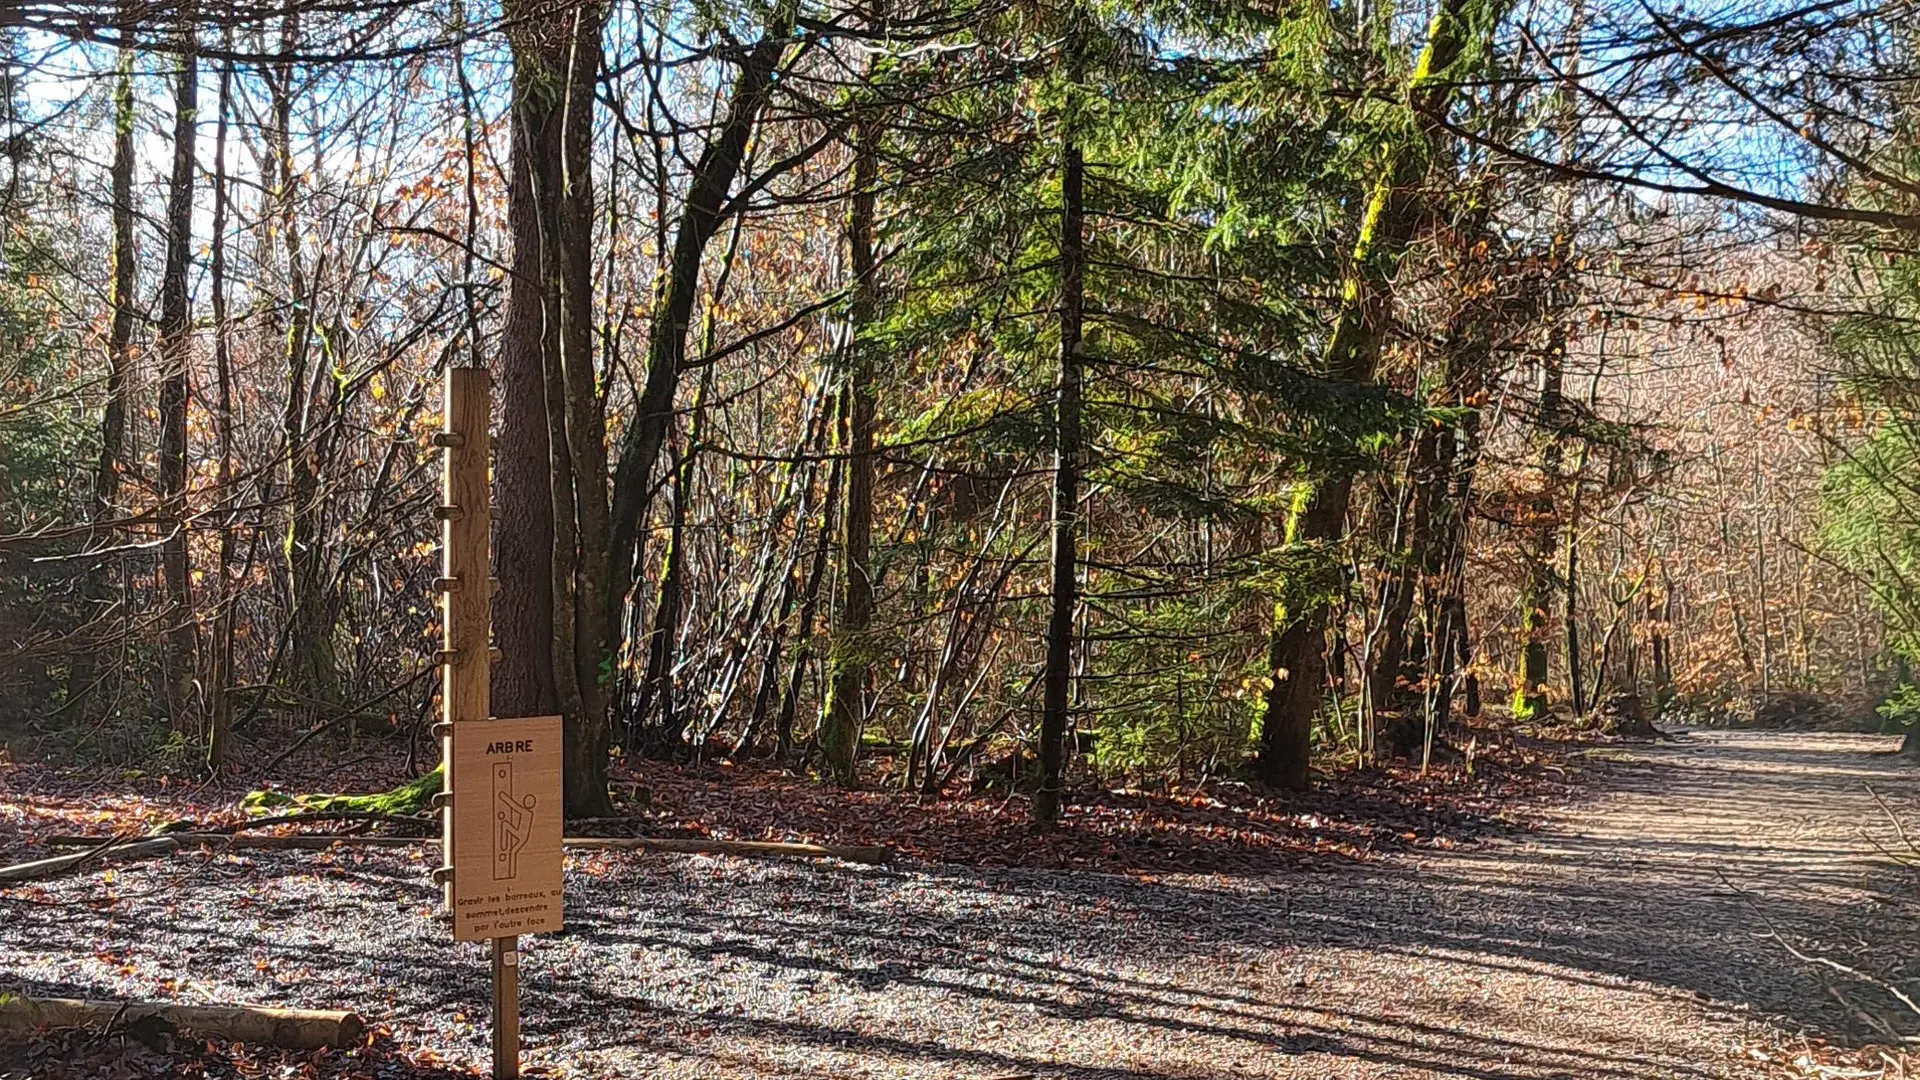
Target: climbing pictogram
512 822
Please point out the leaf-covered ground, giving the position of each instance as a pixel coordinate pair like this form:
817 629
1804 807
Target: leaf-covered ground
1218 827
1626 937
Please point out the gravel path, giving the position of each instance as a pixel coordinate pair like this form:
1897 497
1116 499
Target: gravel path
1621 941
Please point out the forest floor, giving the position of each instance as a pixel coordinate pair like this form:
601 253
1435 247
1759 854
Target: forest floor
1638 931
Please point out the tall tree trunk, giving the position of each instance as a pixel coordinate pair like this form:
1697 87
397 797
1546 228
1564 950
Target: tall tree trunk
1067 454
551 468
851 659
220 648
113 419
1441 474
1660 623
315 666
809 605
1569 612
1390 654
1445 574
523 679
712 179
656 686
1530 682
179 645
1762 592
1297 643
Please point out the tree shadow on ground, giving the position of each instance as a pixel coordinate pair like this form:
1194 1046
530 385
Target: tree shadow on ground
739 967
1219 827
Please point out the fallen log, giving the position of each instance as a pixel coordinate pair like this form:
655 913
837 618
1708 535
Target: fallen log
317 817
870 854
859 853
102 848
299 841
291 1029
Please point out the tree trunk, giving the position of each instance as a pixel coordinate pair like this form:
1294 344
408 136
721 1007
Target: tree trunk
1390 655
113 419
1571 586
1443 570
220 648
851 659
1762 590
809 606
1067 454
316 670
1530 683
523 682
1660 619
705 209
551 467
179 637
656 685
1296 649
1575 680
1297 642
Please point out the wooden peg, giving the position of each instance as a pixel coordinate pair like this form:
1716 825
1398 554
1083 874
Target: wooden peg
448 513
446 584
449 440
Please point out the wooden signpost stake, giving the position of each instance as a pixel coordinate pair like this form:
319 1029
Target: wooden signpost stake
500 803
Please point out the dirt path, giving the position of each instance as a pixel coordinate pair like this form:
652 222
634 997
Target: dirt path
1619 942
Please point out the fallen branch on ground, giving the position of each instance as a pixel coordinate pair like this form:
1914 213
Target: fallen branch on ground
292 1029
103 848
1816 960
1899 828
858 853
304 817
294 841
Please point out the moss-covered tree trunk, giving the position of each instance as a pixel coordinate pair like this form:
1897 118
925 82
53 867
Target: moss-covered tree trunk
1395 207
844 713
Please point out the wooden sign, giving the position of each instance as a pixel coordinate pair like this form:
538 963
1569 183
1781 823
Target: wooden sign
506 827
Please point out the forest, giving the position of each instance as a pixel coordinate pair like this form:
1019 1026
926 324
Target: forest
1050 437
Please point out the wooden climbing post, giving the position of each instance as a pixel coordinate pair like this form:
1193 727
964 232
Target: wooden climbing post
500 799
506 1007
